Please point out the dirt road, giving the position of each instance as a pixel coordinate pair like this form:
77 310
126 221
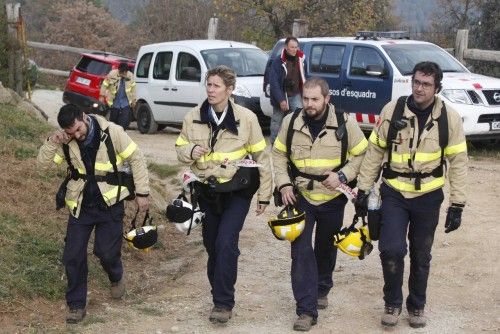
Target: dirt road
463 290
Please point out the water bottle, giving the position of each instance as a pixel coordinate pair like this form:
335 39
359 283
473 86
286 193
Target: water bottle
374 214
373 200
126 167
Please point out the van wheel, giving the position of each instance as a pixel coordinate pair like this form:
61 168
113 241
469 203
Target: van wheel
145 120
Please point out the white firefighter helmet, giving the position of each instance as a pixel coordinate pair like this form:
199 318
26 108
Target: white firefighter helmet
183 215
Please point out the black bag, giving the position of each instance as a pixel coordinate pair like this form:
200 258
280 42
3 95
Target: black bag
374 223
246 181
61 193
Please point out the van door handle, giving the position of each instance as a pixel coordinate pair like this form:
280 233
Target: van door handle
166 88
348 84
174 89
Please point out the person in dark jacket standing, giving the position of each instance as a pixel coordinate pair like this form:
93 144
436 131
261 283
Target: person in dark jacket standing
286 78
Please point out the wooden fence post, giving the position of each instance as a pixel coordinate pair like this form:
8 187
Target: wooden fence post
14 50
461 44
299 28
212 27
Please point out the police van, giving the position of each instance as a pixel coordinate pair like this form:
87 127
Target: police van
170 77
367 71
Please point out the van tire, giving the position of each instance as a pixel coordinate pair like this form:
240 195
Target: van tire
145 121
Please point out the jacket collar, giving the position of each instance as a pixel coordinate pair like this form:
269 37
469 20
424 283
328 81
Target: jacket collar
229 121
436 111
331 121
300 55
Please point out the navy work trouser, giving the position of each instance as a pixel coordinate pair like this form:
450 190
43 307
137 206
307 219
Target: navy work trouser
120 116
417 217
312 269
220 237
108 224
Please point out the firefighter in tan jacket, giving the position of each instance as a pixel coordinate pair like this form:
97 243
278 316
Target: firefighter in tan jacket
319 165
118 91
425 136
94 196
216 138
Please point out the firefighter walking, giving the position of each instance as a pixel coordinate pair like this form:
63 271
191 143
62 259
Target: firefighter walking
418 134
216 137
314 143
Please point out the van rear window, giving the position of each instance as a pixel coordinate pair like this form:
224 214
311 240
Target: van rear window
93 66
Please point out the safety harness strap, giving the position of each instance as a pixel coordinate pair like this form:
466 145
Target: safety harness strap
340 133
117 178
397 115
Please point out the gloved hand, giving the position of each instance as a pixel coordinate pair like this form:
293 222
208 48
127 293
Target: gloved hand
453 218
361 204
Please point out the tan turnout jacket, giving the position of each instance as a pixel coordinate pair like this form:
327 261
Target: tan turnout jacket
229 147
422 154
318 157
125 149
111 83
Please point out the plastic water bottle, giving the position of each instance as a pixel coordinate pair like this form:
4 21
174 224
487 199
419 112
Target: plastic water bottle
373 200
374 214
126 167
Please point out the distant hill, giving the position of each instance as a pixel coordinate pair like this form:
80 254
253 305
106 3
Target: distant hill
416 15
124 10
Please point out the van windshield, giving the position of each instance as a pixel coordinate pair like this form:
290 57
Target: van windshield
406 56
245 62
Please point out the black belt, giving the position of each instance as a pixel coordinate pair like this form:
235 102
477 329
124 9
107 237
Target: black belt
388 173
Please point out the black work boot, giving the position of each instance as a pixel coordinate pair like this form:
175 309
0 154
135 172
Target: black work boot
304 323
220 315
391 316
417 318
75 315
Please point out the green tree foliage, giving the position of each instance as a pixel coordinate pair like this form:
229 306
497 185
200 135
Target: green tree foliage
325 17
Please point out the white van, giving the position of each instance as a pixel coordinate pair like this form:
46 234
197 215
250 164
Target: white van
170 79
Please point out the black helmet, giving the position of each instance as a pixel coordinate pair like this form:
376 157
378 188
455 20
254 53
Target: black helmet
143 237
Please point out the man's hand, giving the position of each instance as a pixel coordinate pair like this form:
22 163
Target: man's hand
361 204
332 181
287 195
453 218
284 106
102 99
60 137
198 152
132 105
260 208
142 203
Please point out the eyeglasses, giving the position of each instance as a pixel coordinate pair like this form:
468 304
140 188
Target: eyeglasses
425 85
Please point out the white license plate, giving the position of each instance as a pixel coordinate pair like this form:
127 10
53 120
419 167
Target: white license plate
495 125
83 81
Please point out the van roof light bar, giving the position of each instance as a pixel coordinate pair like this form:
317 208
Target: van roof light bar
376 35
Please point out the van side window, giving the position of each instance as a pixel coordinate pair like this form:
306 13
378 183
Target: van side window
161 68
327 58
188 68
143 66
362 57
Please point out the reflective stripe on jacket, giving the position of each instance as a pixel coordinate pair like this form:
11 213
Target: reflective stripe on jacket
318 157
125 149
414 154
111 83
229 148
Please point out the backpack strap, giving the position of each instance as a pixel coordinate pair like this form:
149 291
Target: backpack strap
112 158
341 134
393 131
443 131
